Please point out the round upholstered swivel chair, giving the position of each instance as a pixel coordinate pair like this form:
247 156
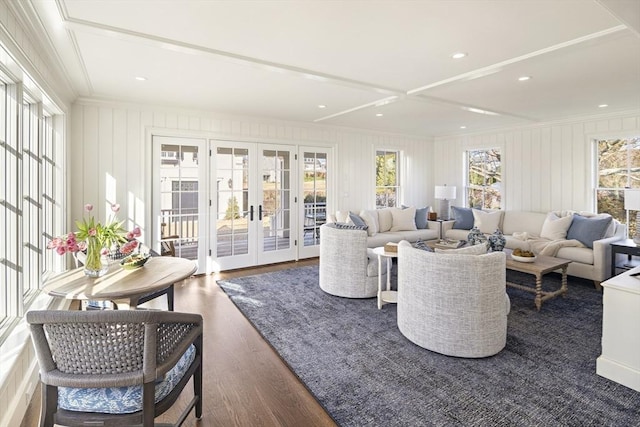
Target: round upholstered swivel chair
347 268
454 304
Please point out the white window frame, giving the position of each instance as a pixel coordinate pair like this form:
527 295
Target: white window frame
469 186
398 184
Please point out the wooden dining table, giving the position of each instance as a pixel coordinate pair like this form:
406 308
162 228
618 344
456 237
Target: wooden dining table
123 287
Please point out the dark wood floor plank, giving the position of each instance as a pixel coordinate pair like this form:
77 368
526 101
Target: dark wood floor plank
245 381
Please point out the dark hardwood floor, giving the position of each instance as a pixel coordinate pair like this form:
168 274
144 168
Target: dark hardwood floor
245 381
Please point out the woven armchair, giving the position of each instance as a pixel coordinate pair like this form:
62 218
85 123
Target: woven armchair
115 368
454 304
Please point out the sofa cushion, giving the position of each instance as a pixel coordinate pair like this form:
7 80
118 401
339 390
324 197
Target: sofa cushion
403 219
342 216
555 228
371 219
581 255
463 218
520 221
586 230
385 220
487 222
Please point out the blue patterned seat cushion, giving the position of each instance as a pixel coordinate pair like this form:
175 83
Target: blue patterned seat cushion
122 400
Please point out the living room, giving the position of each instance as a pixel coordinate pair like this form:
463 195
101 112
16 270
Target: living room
544 127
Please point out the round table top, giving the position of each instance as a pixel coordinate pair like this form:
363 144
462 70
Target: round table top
380 251
119 284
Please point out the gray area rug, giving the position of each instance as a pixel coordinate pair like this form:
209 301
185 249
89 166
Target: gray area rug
364 372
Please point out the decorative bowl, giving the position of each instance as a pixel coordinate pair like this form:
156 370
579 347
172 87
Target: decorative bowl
134 261
523 258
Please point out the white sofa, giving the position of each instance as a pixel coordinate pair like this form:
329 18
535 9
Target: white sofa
391 225
531 231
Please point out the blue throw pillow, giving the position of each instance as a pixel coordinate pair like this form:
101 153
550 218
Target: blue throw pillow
421 218
356 220
587 230
463 218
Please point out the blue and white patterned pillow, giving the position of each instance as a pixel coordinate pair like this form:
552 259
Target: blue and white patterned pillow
345 226
122 400
422 245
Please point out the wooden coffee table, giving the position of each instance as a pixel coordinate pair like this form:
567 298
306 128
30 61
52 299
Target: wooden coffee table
541 266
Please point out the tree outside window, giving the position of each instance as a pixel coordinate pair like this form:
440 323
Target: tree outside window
618 168
484 178
387 185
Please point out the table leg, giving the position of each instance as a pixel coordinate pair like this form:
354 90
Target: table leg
613 260
538 291
563 286
388 273
379 282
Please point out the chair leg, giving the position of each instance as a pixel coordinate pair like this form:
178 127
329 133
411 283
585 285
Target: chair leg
170 298
148 404
49 404
197 379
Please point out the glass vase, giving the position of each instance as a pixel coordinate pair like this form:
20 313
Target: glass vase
97 263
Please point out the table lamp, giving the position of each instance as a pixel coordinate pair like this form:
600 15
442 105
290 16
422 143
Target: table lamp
444 194
632 203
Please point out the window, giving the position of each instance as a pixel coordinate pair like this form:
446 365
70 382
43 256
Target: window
30 208
618 168
387 184
484 179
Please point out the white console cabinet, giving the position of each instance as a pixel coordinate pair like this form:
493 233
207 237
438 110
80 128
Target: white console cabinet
620 359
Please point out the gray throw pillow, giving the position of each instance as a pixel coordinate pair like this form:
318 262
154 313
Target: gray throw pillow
421 218
463 218
356 220
587 230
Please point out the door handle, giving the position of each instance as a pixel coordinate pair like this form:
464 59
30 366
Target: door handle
251 213
260 212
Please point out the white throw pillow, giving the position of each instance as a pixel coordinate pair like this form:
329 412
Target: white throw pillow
342 216
403 219
371 218
487 222
385 220
554 227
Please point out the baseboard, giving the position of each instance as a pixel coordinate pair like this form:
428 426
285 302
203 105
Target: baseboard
622 374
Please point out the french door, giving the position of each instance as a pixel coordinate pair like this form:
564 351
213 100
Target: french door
180 204
313 163
254 204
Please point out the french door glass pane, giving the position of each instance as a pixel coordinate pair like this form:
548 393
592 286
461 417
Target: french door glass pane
179 198
315 196
232 219
276 211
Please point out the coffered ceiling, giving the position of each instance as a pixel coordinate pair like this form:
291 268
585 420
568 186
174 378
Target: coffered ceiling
383 65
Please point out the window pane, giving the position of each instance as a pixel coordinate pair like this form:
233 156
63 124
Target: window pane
387 185
484 178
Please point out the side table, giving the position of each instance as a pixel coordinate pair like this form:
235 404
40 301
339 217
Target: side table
625 246
387 296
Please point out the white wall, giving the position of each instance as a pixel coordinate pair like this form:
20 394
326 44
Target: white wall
110 153
545 167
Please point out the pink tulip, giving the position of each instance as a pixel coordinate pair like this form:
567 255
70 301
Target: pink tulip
129 235
61 250
92 232
115 207
136 232
82 246
88 207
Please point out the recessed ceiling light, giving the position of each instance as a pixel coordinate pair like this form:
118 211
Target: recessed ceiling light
524 78
463 127
603 105
141 79
458 55
322 106
379 114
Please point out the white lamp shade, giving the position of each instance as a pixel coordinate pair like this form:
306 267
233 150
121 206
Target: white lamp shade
631 199
443 192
